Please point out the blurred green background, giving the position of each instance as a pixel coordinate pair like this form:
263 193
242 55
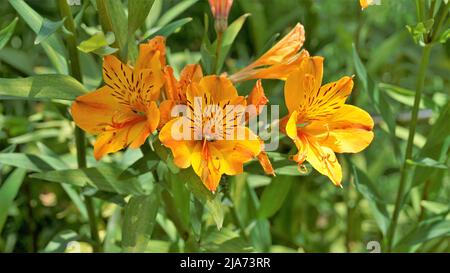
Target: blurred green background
283 214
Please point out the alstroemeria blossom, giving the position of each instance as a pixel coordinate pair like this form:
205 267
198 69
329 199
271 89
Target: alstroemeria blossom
175 90
319 121
211 149
279 61
124 111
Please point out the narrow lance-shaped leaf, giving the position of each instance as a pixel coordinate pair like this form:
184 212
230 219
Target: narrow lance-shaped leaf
52 46
6 33
139 221
42 87
168 29
48 28
113 18
425 231
8 192
175 11
104 178
137 13
273 196
367 188
228 38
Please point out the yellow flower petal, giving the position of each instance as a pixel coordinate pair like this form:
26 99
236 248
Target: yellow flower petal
257 97
303 84
91 112
148 50
324 161
115 140
277 62
348 131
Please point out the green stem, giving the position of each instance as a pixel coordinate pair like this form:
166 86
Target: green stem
80 140
420 8
440 21
218 48
409 146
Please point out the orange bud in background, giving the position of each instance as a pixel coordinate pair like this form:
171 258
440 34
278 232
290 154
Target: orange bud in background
220 10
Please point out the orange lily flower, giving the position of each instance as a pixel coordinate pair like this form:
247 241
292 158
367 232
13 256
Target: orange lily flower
175 90
279 61
319 121
211 149
123 112
257 98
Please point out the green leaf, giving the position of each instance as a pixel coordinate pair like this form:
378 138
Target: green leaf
208 199
259 27
167 30
137 13
143 165
419 31
206 49
228 38
273 196
48 28
8 192
154 13
61 241
42 87
18 59
368 189
436 147
425 231
175 11
104 178
113 19
139 221
224 241
428 162
31 162
378 99
6 33
444 36
435 207
260 235
96 42
53 46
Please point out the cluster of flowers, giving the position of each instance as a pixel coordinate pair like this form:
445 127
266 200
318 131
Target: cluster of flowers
136 102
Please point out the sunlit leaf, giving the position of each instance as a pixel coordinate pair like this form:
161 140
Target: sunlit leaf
167 29
173 12
96 42
104 178
41 87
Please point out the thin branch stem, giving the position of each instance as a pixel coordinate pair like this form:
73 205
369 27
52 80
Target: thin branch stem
409 147
80 139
